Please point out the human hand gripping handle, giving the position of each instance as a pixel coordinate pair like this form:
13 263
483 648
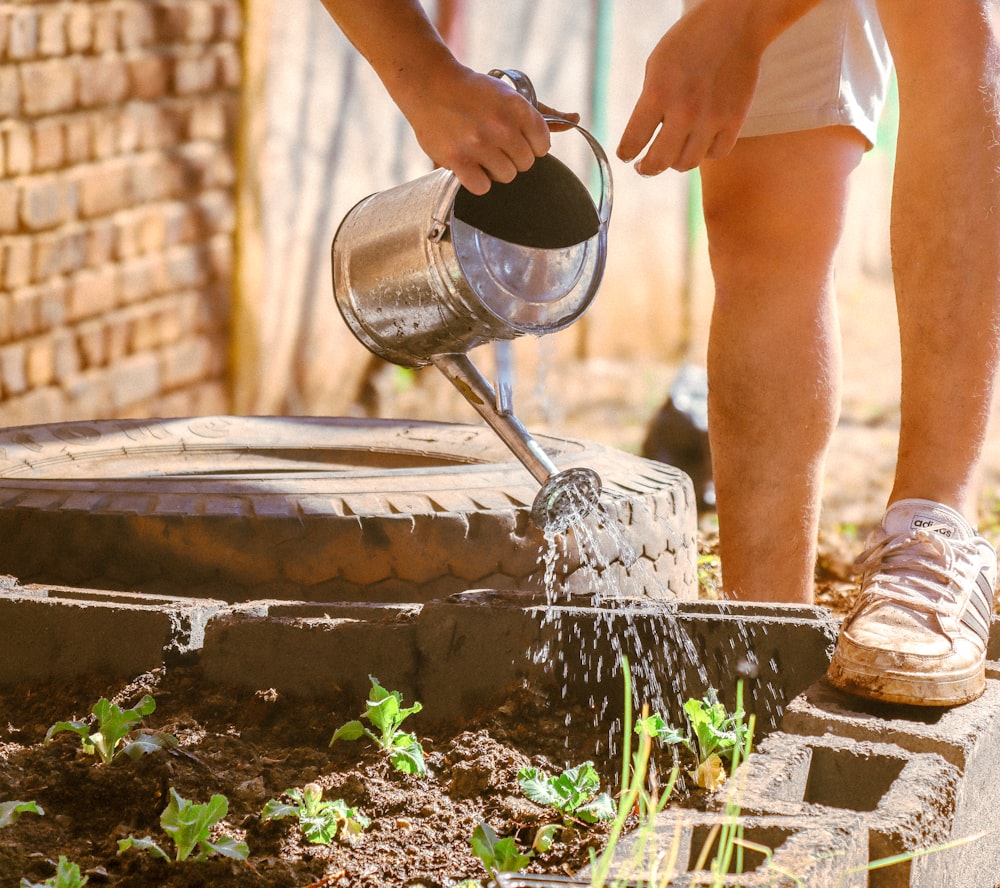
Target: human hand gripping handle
473 124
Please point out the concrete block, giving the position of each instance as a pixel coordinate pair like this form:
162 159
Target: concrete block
968 737
675 649
907 802
53 631
309 649
680 846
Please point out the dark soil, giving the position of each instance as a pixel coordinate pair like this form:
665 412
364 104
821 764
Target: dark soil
251 748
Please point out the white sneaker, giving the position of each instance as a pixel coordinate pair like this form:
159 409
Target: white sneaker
919 628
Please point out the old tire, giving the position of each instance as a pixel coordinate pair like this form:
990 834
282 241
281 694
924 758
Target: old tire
317 509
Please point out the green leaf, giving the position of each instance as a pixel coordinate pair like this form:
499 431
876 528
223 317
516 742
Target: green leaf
144 844
353 730
495 853
535 785
226 846
145 743
545 837
407 755
188 824
67 876
11 811
601 807
77 727
275 809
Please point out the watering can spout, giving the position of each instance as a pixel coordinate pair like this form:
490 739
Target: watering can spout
566 497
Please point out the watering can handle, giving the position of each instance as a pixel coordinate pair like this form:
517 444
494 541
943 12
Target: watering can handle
439 218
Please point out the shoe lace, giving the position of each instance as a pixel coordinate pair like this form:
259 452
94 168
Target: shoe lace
921 570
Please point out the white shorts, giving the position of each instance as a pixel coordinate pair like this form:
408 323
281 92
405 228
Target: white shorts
830 68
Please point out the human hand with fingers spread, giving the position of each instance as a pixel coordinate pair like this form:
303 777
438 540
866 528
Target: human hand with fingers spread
700 81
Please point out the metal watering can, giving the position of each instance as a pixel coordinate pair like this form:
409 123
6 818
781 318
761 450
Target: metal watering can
426 271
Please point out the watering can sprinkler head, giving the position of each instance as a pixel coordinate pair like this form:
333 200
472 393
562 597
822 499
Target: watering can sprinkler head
566 499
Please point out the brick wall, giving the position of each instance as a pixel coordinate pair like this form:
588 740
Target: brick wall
117 173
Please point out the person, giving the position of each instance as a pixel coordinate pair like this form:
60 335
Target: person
775 101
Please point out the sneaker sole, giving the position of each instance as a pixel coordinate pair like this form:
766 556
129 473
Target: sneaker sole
908 689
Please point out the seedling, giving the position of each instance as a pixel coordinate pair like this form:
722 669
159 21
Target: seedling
190 825
496 854
573 793
114 725
11 811
386 713
714 736
320 821
67 876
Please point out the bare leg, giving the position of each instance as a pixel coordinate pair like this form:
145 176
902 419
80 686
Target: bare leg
774 210
945 241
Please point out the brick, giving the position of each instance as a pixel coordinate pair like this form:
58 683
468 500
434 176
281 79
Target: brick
102 81
8 207
101 241
63 251
19 149
200 26
6 311
149 76
188 267
80 27
10 91
91 344
77 141
65 356
52 31
104 133
116 336
105 25
24 313
22 35
40 365
104 188
37 406
16 262
155 177
135 280
134 379
229 21
48 87
229 68
47 202
91 293
52 296
186 362
48 144
195 72
144 329
208 120
86 395
13 379
137 26
169 22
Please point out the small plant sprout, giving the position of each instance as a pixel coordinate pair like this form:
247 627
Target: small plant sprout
714 735
114 725
11 811
321 821
497 855
573 793
67 876
190 826
386 713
